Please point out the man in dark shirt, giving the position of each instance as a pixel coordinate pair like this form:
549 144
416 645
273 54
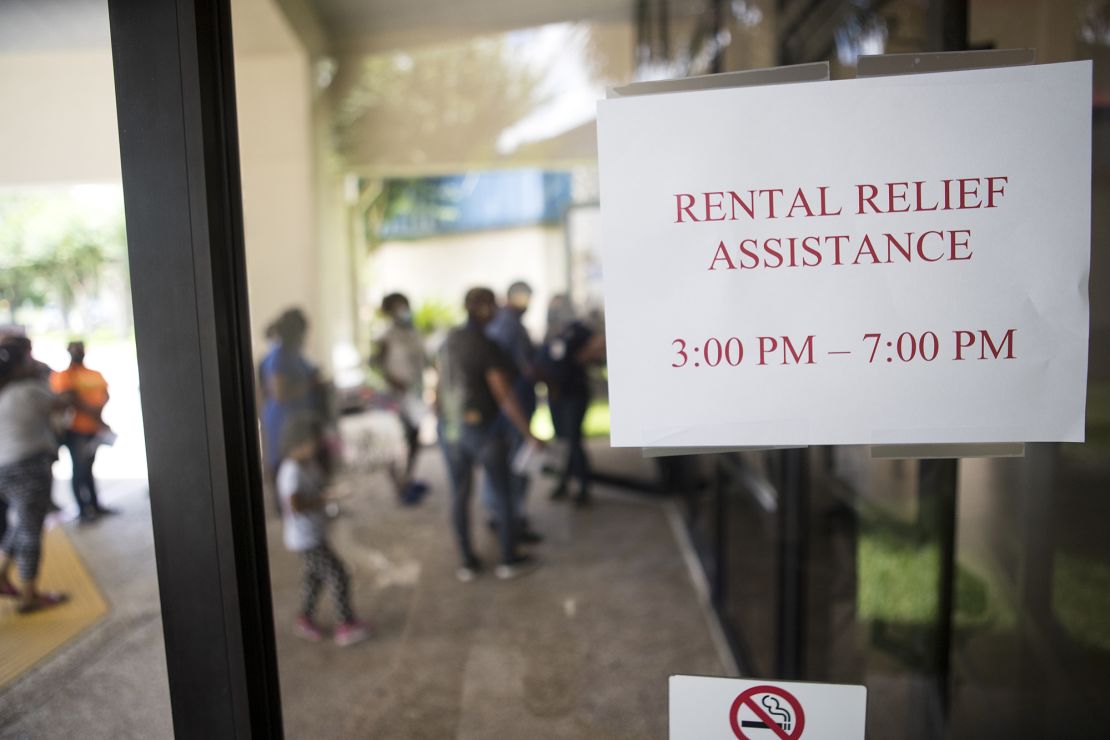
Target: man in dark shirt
476 385
570 347
507 329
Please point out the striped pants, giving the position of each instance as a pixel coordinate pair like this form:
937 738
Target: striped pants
25 486
322 565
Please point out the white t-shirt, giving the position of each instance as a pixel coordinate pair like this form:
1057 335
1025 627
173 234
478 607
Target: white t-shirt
25 430
403 356
303 530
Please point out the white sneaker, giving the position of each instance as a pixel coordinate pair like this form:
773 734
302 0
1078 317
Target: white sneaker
520 566
469 571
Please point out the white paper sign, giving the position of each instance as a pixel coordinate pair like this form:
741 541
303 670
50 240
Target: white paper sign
738 709
873 261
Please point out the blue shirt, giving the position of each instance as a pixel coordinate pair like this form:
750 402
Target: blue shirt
507 330
297 371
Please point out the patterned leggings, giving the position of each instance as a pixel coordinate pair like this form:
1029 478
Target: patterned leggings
25 485
322 564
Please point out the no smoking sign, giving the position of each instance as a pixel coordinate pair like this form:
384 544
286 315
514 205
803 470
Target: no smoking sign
704 708
767 711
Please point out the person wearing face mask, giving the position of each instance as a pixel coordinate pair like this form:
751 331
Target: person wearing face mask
476 387
400 359
87 391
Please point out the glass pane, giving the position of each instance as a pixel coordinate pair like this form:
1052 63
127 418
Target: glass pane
92 664
414 154
426 151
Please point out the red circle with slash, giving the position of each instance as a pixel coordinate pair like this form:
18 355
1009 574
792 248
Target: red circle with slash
766 721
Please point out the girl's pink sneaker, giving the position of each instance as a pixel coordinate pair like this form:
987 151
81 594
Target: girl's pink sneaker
306 629
351 633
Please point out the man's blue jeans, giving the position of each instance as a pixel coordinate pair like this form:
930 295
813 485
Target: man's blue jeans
487 445
82 452
518 484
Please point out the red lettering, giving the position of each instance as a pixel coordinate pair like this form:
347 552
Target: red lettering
1007 343
906 251
836 246
866 246
721 255
710 205
868 199
824 190
749 207
921 246
690 204
918 185
799 202
745 252
777 255
964 339
771 193
807 349
811 250
954 244
965 192
893 196
767 345
993 191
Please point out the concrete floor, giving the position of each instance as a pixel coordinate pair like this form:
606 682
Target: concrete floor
581 648
110 681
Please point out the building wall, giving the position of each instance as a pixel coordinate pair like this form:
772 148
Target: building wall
275 149
58 125
444 268
58 128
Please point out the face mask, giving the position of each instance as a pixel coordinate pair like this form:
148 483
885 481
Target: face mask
404 316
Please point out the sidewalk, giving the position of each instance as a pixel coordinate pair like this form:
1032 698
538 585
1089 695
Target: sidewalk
109 681
581 648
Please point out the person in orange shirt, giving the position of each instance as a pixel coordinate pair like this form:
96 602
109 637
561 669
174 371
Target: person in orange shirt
87 391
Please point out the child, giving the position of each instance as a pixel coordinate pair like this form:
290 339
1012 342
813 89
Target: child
300 486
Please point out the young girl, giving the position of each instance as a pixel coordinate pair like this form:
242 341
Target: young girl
300 485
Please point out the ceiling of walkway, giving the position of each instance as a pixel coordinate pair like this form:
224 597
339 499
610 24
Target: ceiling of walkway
376 25
345 19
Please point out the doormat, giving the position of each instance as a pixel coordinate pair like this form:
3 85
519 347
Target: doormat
26 640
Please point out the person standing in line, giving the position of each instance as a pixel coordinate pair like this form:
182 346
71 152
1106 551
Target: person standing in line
87 391
10 333
17 335
301 485
399 357
289 384
568 350
476 381
27 450
507 329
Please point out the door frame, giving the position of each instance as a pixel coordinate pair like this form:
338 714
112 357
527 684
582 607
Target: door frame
175 100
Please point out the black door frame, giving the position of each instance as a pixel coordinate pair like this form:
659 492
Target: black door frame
175 99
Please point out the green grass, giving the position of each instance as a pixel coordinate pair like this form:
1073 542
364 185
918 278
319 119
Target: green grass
1081 599
1097 447
898 583
596 423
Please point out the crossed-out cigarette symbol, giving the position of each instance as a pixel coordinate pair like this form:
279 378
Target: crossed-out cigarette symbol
767 708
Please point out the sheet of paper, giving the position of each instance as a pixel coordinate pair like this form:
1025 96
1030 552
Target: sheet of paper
897 260
705 708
